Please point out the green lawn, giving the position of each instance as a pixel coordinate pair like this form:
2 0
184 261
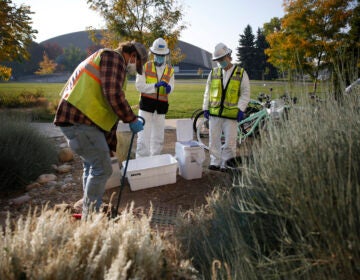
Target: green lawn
186 98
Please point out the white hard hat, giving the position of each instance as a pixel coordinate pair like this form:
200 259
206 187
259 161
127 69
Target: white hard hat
159 47
220 51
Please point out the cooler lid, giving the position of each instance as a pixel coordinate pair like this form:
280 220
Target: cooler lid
184 130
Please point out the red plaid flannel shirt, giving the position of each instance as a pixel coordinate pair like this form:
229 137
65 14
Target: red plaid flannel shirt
112 75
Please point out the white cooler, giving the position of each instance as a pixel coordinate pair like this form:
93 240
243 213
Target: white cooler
153 171
189 154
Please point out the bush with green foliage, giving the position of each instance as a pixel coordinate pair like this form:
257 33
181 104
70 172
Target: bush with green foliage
24 153
23 99
294 211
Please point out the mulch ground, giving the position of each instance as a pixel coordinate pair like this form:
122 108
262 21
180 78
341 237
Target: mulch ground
165 200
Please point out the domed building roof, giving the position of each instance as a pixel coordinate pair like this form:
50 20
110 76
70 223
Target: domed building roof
195 57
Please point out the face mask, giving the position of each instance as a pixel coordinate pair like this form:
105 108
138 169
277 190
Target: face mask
159 60
131 68
222 64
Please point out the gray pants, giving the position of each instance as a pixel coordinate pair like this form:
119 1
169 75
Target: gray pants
90 144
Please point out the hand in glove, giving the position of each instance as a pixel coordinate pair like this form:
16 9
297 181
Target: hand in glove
206 114
136 126
160 84
240 116
167 88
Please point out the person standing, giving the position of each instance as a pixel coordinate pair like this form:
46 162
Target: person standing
226 97
155 85
92 102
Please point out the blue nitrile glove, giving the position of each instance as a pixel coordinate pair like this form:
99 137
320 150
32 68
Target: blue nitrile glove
167 88
160 84
240 116
206 114
136 126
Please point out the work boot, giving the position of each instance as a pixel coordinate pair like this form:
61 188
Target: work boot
214 167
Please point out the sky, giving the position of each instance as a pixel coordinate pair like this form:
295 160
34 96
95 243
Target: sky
208 21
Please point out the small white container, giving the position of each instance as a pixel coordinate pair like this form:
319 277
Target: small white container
115 179
276 108
153 171
189 153
123 135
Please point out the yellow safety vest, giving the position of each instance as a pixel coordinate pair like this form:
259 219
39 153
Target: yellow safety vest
151 78
83 90
224 101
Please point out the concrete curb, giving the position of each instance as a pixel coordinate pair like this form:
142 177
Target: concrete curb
50 130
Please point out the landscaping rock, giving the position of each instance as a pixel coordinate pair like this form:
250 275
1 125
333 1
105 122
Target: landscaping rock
64 168
65 155
32 186
20 200
45 178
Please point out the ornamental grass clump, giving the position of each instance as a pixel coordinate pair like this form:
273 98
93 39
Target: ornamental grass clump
294 211
54 246
24 153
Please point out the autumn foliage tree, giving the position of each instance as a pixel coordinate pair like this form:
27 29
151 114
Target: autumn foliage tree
16 34
53 50
273 26
142 21
313 34
47 66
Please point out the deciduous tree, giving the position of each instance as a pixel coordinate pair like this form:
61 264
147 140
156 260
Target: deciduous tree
313 34
273 26
27 67
72 57
47 66
16 33
53 50
143 21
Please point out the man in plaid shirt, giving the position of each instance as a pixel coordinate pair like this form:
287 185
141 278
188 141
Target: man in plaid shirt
93 100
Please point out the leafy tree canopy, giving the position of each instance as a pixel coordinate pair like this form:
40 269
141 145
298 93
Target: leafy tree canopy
273 26
313 35
16 32
142 21
72 57
47 66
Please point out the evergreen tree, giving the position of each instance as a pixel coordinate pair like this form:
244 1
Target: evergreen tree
252 57
259 58
264 69
246 51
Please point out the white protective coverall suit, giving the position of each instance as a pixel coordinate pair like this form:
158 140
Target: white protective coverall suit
150 141
219 153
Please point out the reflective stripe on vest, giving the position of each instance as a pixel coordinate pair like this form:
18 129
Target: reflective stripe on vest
151 78
83 90
225 104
